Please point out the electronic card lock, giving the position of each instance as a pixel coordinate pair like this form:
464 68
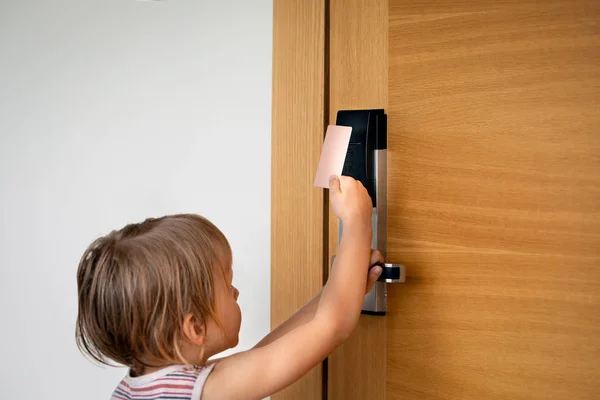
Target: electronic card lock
366 161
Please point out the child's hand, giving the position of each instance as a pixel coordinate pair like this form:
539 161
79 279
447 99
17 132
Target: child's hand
376 257
350 200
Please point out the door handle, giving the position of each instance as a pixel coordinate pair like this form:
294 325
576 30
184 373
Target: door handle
391 273
366 161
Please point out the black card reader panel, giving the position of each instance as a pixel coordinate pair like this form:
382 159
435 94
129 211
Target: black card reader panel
369 133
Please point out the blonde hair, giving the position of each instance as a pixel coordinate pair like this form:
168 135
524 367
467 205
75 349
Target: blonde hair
136 285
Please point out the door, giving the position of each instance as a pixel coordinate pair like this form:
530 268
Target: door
493 196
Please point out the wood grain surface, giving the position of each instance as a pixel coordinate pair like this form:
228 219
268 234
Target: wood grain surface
494 199
297 239
358 80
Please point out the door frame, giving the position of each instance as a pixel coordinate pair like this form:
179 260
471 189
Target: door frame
298 209
358 53
318 47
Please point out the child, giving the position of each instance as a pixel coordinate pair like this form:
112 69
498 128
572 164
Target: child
157 297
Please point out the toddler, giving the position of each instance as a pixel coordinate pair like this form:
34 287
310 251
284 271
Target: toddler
158 297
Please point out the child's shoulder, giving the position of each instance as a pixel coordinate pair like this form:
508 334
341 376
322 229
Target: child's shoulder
182 381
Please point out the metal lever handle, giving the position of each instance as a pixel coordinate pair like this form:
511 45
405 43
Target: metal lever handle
391 273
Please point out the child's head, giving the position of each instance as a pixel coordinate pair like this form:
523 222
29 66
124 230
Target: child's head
157 293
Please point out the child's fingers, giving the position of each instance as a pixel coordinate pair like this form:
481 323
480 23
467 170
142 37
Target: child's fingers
334 184
375 270
372 277
376 257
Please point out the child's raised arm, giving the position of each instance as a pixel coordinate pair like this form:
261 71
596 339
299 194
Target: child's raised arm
265 370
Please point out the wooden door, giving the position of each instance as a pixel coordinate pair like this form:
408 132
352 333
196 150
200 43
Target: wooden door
493 193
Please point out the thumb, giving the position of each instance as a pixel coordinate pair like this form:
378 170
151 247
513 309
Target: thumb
374 274
334 184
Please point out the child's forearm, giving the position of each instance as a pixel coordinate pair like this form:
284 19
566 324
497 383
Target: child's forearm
301 317
307 313
343 295
345 287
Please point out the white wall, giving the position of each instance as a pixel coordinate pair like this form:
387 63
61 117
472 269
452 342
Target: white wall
112 111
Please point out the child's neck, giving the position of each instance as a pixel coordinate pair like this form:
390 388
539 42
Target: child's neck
156 365
149 370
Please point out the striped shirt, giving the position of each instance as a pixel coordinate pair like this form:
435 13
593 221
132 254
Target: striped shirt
177 382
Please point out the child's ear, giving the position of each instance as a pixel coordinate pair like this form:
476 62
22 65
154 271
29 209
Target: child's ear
193 329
